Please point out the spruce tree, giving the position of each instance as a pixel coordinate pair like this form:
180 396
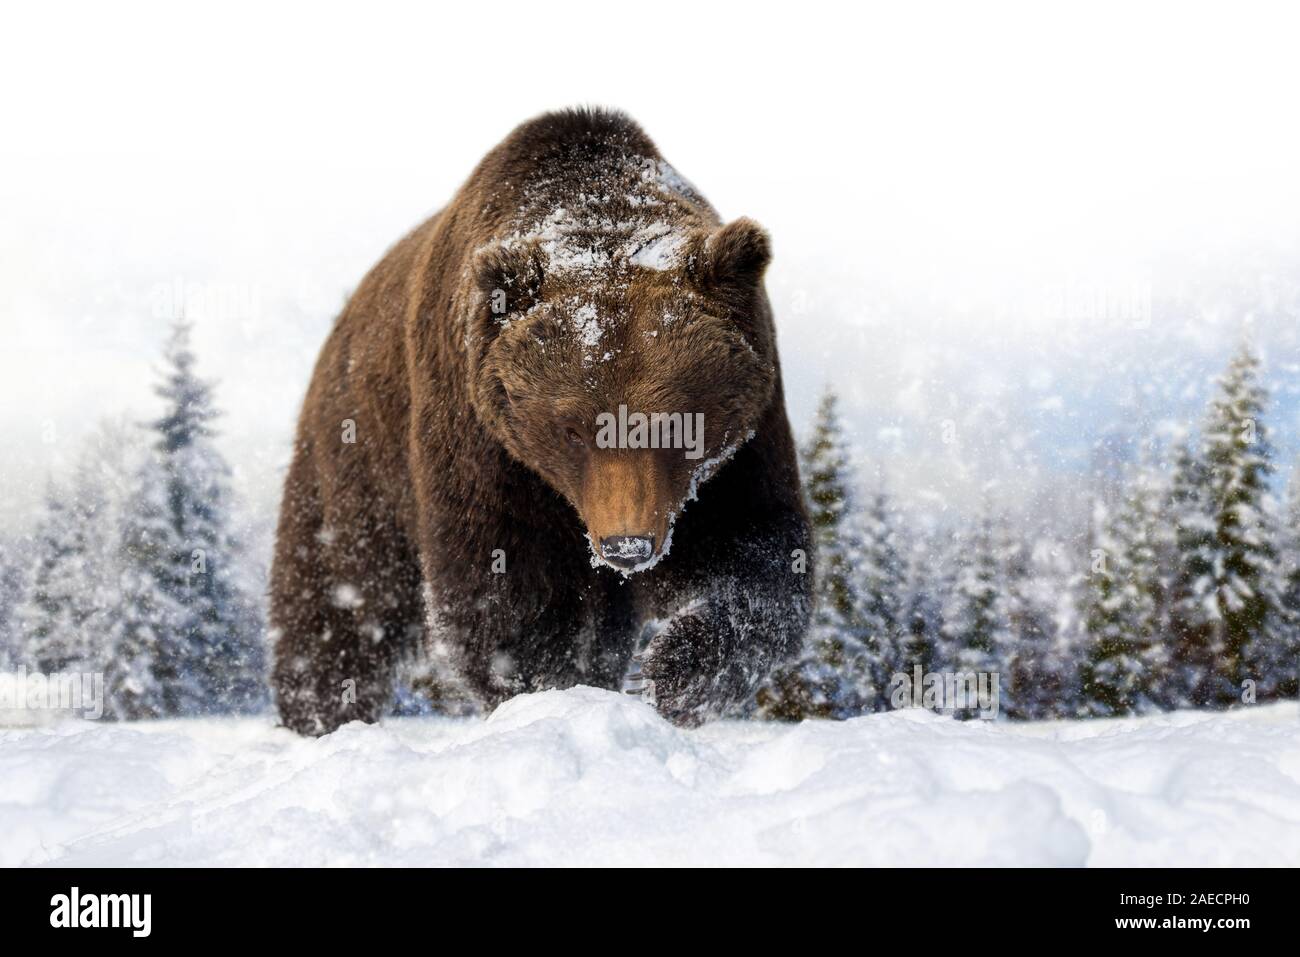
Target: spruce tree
1241 588
71 591
147 633
977 628
13 582
50 619
1126 666
1101 614
922 607
981 626
217 662
957 550
832 678
1030 682
1289 686
1189 562
878 584
1146 587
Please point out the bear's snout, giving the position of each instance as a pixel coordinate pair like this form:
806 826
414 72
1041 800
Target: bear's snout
625 502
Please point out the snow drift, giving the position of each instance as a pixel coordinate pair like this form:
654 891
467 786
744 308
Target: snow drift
591 777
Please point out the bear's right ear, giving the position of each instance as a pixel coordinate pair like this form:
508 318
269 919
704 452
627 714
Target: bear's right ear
507 278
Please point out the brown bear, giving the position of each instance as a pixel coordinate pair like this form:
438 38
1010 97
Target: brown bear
550 416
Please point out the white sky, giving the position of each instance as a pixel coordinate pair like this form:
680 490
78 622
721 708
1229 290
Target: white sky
934 161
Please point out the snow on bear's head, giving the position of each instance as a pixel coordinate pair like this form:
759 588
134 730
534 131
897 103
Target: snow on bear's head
623 367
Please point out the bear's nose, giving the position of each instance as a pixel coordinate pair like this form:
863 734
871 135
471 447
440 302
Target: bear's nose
627 551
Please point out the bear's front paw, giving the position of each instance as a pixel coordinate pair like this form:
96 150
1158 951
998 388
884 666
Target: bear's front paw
683 663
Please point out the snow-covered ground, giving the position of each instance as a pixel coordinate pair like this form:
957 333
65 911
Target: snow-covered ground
591 777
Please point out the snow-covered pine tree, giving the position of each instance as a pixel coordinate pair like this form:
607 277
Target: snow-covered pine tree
1146 592
147 634
922 606
1127 660
102 480
832 678
1030 680
71 588
1103 622
1077 591
221 645
1187 543
879 585
954 557
1069 641
14 566
977 630
47 620
1248 639
1290 571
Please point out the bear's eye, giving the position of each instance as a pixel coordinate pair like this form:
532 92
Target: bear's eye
573 438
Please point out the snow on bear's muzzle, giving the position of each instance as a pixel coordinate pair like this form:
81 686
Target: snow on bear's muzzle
627 551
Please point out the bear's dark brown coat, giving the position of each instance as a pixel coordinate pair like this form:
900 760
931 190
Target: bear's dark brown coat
447 480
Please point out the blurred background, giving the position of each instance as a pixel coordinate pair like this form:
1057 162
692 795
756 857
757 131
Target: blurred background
1045 231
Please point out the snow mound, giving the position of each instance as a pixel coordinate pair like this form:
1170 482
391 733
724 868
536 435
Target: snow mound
592 777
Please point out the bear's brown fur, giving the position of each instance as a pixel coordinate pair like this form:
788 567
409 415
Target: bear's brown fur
449 482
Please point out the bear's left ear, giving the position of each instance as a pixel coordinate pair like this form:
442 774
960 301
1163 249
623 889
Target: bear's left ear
732 259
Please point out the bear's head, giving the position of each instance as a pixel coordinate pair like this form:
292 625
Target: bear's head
623 371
